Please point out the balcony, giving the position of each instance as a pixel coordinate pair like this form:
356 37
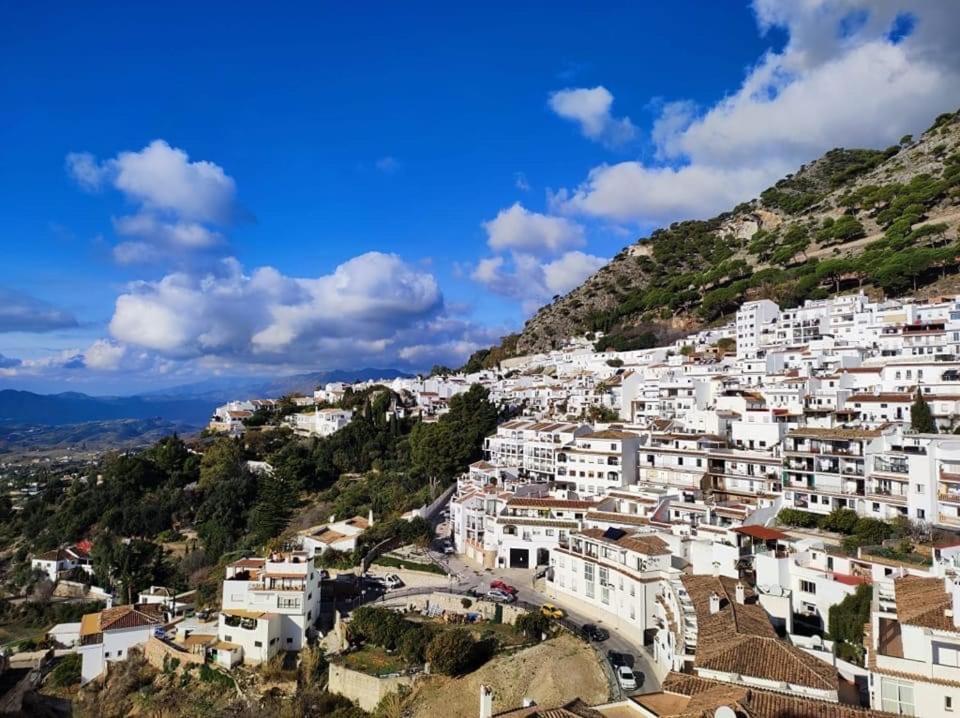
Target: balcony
890 467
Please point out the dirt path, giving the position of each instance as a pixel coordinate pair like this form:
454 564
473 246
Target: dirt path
858 244
552 673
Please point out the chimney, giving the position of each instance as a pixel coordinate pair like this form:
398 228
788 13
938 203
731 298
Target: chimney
486 701
333 518
741 594
716 568
370 517
714 603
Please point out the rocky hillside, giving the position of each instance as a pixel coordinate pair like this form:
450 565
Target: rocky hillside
885 220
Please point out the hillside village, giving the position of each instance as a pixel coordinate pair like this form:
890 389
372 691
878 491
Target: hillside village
764 512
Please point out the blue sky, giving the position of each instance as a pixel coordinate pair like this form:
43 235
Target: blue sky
489 157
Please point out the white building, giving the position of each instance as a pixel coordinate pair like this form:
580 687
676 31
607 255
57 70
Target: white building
913 646
283 588
108 636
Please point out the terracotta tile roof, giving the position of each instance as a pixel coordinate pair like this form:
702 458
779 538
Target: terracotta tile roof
574 709
882 397
923 602
837 433
612 517
739 639
704 696
130 616
610 434
646 544
547 503
762 532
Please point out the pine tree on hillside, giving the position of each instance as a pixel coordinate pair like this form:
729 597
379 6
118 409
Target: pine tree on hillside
921 417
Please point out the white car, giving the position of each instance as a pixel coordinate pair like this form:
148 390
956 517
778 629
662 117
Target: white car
392 581
626 679
500 596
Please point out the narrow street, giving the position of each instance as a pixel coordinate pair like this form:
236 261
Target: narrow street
465 575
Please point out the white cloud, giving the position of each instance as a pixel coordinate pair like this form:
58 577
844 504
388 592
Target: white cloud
181 234
163 178
569 271
86 171
105 355
519 229
373 308
836 83
531 281
520 182
633 191
179 203
590 109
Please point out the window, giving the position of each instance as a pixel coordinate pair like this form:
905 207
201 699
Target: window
258 644
947 656
919 488
289 640
808 587
896 697
948 703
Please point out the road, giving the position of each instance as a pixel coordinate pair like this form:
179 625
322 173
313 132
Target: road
465 575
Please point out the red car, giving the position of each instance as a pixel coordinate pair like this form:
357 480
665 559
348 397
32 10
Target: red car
505 587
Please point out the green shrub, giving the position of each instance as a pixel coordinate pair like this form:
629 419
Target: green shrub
452 653
533 625
67 671
840 521
798 518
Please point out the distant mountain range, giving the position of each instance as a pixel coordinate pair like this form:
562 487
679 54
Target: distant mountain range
225 389
187 406
87 435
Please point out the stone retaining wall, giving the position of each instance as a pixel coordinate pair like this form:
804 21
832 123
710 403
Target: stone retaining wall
365 690
157 653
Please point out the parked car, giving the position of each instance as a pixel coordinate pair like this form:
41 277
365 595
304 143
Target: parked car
594 633
620 659
392 581
448 549
551 611
626 679
500 596
505 587
203 614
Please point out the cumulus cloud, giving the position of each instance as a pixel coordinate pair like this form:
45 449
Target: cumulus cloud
532 281
180 202
518 229
854 73
374 307
20 312
590 109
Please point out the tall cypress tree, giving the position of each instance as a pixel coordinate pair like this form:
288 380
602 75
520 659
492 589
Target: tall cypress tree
921 418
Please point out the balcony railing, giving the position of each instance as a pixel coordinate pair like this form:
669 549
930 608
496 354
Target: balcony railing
891 467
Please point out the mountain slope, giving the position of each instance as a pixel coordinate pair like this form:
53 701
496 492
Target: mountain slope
25 407
885 220
221 390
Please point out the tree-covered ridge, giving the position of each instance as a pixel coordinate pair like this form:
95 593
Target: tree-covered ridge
884 220
133 504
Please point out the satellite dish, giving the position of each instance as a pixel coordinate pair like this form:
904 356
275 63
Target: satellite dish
724 712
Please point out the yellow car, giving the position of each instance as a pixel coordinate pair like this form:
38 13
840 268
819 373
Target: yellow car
551 611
